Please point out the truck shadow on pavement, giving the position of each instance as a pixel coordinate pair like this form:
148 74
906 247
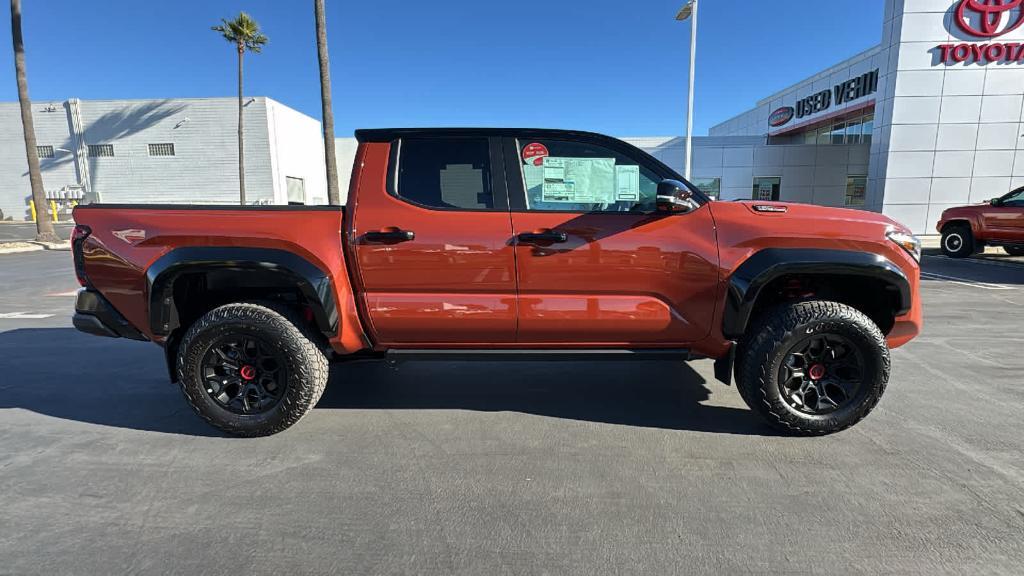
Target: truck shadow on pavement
64 374
649 394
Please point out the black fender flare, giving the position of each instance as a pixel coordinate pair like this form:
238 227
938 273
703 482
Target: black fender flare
314 283
757 271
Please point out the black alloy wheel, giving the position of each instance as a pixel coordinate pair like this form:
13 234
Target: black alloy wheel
821 374
813 367
244 374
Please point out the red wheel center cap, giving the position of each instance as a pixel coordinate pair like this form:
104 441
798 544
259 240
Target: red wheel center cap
817 372
247 372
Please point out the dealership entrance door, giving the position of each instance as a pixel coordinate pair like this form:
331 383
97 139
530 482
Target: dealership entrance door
767 188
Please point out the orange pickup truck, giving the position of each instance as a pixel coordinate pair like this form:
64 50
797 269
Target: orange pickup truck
966 230
504 243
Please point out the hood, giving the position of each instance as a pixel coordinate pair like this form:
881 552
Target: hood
796 211
965 210
751 223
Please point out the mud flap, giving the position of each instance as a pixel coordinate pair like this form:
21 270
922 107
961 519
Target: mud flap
724 366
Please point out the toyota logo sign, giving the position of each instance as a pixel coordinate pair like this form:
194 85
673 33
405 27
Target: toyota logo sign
989 18
984 19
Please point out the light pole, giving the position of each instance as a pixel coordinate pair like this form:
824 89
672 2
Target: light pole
689 11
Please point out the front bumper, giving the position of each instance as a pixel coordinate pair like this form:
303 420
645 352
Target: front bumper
95 315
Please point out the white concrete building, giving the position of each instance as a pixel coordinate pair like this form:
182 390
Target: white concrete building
162 151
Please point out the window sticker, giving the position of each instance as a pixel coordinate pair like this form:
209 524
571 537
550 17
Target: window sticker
579 180
535 153
627 183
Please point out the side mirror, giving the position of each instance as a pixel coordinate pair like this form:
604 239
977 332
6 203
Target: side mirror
674 196
996 202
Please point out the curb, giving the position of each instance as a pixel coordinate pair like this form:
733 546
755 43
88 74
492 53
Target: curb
32 246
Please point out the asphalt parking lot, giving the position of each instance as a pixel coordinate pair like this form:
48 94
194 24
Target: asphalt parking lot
515 468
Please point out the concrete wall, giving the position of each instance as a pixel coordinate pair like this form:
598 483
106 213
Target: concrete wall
947 134
296 150
345 152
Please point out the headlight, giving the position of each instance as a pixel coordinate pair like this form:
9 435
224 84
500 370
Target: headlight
907 241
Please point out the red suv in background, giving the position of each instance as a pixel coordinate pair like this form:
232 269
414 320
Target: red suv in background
966 230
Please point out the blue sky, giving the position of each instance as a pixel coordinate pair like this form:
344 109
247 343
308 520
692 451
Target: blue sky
617 67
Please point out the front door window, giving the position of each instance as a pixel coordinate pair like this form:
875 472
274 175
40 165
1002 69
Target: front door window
569 176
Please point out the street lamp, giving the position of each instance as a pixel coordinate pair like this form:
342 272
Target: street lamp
689 11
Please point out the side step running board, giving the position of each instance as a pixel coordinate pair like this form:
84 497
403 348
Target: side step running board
538 355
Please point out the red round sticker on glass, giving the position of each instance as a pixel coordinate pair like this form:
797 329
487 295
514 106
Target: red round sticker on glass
534 153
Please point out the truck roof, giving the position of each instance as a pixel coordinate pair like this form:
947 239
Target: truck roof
389 134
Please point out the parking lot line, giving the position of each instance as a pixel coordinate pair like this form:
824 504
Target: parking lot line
965 281
23 316
982 261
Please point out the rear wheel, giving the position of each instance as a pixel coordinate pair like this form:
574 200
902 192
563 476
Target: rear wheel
957 241
813 368
249 370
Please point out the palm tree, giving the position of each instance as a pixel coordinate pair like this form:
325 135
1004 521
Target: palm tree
327 105
44 227
244 33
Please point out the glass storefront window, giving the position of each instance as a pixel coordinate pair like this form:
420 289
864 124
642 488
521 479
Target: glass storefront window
856 190
711 187
853 132
868 128
839 133
767 188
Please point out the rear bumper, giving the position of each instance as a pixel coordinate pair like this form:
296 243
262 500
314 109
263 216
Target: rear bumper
95 315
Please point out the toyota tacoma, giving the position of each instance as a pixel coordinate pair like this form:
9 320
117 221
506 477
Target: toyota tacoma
966 230
504 243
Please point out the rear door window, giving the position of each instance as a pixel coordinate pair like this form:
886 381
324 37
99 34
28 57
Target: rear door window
445 173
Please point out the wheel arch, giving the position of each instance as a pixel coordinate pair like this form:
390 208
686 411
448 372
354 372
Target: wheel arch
238 271
849 276
971 223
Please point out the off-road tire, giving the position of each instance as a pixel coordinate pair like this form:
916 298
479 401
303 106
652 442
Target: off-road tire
958 241
771 337
1014 250
307 367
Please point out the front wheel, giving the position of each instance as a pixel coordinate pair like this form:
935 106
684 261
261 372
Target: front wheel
958 241
813 368
249 370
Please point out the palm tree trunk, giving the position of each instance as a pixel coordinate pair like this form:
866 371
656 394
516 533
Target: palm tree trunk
241 132
327 105
44 227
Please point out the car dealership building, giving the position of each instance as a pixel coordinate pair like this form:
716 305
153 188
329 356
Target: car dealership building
928 119
931 117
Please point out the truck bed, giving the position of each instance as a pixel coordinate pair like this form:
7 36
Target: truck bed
125 240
